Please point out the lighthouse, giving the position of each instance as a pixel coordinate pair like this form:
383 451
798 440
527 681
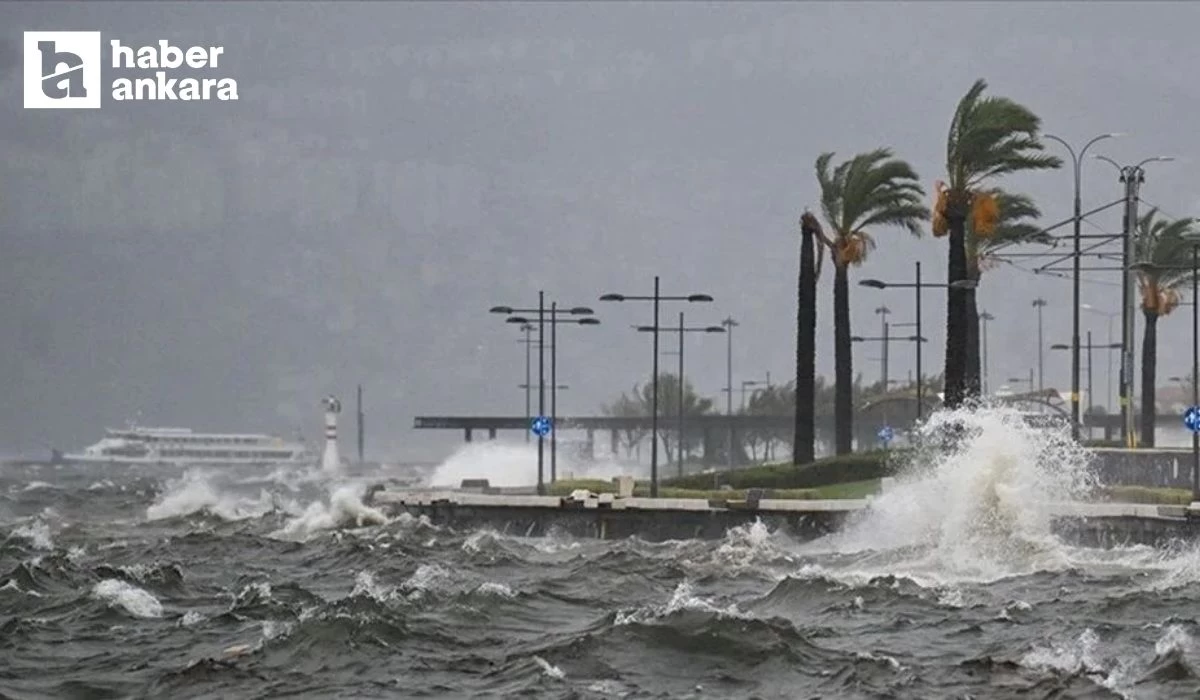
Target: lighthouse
331 463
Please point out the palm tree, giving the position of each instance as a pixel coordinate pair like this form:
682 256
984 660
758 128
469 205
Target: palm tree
989 137
1012 225
1162 250
871 189
804 434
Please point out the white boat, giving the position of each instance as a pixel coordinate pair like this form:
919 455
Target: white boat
182 447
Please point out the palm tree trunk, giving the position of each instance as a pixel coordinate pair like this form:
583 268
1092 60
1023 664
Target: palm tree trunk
956 310
843 409
803 435
973 377
1149 369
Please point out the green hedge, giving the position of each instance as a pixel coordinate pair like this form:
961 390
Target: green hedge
862 466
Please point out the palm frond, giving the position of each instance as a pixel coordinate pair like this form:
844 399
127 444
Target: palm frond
992 136
868 190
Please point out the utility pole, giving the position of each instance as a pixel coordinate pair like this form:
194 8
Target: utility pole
1132 177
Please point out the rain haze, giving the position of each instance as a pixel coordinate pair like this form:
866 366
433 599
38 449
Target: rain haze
392 170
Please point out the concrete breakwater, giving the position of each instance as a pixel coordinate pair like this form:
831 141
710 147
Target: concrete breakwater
657 519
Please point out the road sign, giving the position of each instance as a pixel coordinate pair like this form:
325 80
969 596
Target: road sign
886 434
540 426
1191 418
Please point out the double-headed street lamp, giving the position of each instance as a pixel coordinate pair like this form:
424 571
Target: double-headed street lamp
1077 162
656 298
918 285
682 331
554 322
553 312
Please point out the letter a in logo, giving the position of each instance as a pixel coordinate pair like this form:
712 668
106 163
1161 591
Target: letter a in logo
62 70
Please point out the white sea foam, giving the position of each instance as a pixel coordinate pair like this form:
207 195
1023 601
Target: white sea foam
195 492
133 600
345 508
36 533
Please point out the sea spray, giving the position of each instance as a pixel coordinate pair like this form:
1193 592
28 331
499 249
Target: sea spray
975 506
345 508
515 464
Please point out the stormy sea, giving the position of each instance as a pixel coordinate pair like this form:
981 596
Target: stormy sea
236 583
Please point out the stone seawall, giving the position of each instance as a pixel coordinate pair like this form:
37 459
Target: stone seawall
656 520
1162 468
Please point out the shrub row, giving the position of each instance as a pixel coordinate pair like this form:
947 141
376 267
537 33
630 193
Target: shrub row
862 466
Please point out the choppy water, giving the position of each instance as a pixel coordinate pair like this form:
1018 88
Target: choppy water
224 584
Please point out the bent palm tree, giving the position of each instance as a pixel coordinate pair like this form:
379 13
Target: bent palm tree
989 137
871 189
1163 254
1013 225
804 433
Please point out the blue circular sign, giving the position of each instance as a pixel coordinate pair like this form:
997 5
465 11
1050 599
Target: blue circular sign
540 426
1191 418
886 433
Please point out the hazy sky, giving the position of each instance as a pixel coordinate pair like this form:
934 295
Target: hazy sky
392 170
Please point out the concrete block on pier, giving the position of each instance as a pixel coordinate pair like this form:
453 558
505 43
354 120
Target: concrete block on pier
624 486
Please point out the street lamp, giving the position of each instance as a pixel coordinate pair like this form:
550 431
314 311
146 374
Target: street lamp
984 317
656 298
1132 176
541 311
1089 347
729 324
1040 304
918 285
883 312
1077 162
528 385
681 330
554 322
1109 316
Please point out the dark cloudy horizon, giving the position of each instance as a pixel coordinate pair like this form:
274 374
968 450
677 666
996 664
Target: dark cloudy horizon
392 170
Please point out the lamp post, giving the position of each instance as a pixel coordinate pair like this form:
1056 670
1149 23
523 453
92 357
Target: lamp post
656 299
918 285
1109 316
729 324
1040 304
984 317
682 331
752 382
527 329
1195 369
1089 347
1132 176
883 312
553 313
1077 162
554 322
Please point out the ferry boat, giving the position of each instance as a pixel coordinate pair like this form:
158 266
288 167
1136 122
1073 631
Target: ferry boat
182 447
